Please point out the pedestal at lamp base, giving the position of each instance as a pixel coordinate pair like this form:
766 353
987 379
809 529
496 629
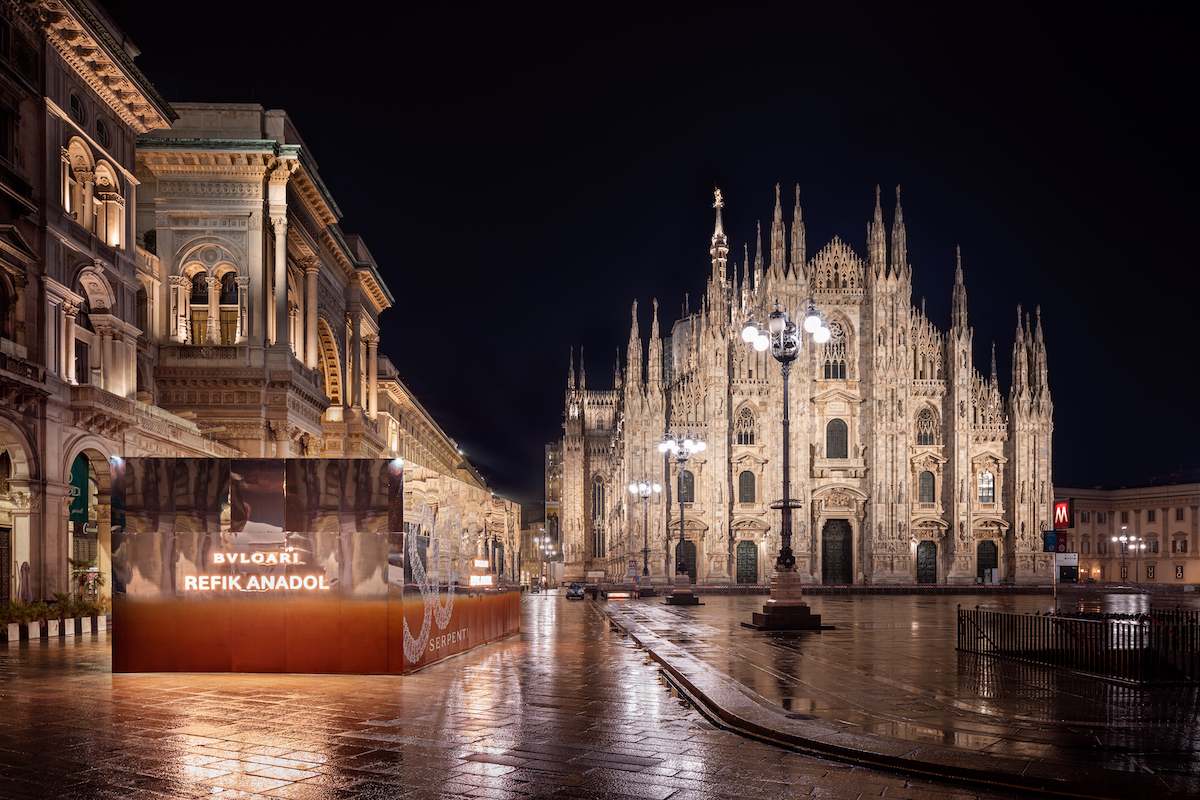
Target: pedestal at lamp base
682 596
786 610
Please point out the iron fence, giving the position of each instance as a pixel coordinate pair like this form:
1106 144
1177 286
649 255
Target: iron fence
1162 646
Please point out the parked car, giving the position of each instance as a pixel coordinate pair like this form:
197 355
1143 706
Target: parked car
575 591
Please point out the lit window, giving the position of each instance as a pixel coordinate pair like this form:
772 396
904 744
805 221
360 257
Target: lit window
746 487
987 487
927 432
76 108
687 487
837 437
925 487
744 427
835 353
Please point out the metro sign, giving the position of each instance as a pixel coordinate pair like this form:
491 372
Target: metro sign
1064 514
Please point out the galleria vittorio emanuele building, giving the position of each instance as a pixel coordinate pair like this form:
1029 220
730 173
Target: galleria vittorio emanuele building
909 464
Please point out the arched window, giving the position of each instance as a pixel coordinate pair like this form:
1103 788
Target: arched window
835 353
925 487
76 108
143 312
229 308
7 309
5 471
744 427
746 487
198 319
987 487
687 487
598 498
599 547
837 439
927 432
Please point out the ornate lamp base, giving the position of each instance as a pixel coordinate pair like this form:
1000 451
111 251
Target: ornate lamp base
682 596
786 610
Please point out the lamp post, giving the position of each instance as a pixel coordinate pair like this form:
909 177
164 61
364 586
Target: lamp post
643 488
785 610
1126 541
682 448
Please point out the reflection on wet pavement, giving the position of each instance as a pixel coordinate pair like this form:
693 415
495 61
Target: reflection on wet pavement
889 668
568 708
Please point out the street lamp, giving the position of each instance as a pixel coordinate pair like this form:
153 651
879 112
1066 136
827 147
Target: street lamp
643 488
1126 542
785 610
682 448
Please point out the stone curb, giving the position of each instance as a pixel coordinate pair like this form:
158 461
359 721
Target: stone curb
733 705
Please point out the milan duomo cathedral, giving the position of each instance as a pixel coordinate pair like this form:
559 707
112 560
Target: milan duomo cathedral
909 464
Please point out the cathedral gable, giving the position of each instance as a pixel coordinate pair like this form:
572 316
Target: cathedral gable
836 270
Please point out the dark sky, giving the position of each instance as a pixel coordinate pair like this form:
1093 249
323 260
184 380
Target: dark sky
522 174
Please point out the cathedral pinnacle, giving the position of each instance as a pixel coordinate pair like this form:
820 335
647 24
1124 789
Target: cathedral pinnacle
799 246
877 240
720 246
899 239
778 248
958 311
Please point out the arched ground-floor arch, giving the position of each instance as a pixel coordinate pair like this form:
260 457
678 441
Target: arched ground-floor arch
987 557
746 560
927 562
837 552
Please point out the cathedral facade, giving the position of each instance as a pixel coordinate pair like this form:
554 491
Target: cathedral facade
909 464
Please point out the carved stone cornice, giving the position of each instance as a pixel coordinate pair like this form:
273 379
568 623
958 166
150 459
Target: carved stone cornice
86 46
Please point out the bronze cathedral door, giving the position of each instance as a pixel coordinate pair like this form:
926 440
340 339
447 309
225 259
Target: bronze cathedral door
836 552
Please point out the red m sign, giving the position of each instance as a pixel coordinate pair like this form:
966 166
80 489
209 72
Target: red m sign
1064 513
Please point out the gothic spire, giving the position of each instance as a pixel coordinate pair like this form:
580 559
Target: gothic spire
778 246
633 356
899 240
799 247
720 246
571 372
995 376
654 361
758 257
582 374
958 312
1039 353
1020 364
877 241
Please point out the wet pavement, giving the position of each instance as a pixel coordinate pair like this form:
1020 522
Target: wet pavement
887 687
568 708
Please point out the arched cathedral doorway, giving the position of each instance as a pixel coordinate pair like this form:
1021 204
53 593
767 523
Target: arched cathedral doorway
747 562
689 558
987 556
927 562
837 552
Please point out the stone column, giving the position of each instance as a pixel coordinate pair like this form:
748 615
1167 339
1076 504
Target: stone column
213 334
311 269
243 310
373 376
255 324
86 214
356 356
279 223
107 370
69 311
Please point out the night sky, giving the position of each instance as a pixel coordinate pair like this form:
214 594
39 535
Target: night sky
522 175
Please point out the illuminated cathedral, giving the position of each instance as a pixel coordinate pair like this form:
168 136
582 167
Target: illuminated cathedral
909 464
